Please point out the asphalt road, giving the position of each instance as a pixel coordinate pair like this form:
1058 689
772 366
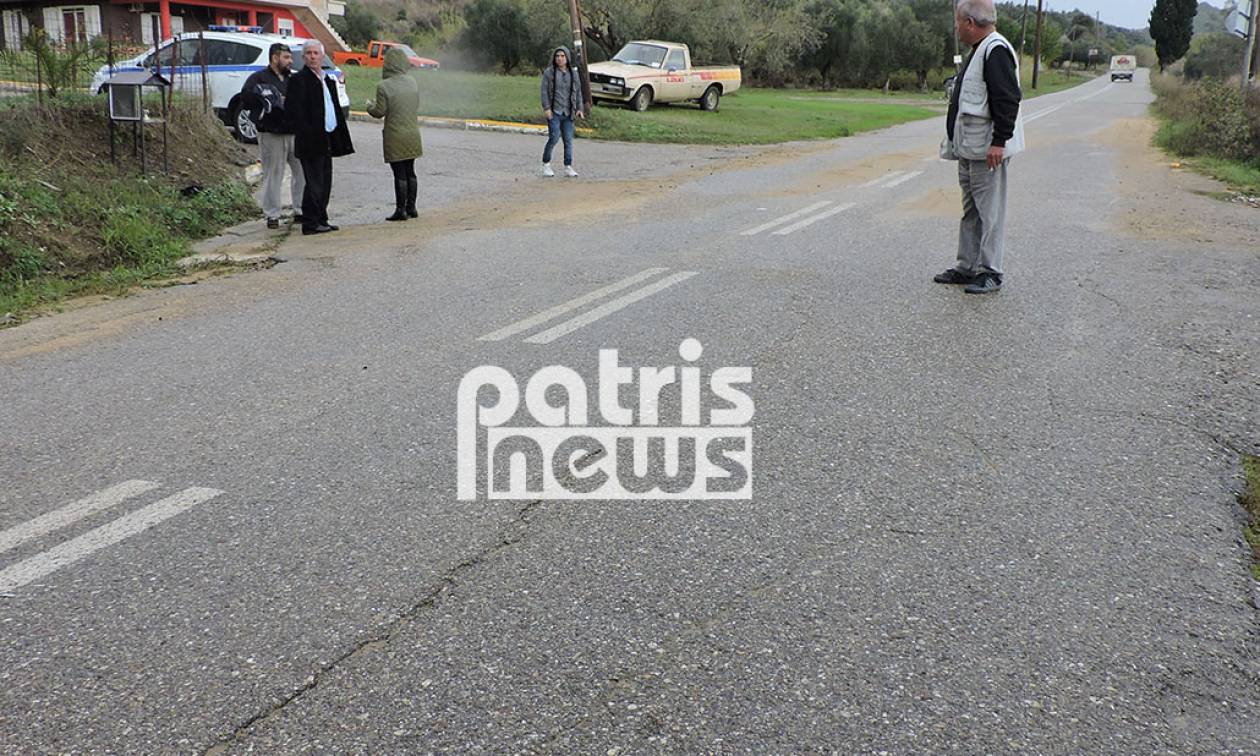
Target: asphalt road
978 524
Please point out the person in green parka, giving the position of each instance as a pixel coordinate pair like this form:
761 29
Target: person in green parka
398 102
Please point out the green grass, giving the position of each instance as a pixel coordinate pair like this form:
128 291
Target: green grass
1250 501
1240 176
752 116
1050 79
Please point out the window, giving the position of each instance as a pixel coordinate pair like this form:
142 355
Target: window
220 53
285 27
374 51
72 23
163 55
676 61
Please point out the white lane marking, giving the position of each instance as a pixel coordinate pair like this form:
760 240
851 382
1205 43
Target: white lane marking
881 179
903 179
814 219
785 218
573 304
47 562
608 308
1095 94
1043 112
72 513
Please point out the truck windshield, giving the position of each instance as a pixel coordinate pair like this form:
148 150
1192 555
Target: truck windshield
639 54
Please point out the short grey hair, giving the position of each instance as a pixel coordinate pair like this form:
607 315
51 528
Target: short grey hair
982 12
311 44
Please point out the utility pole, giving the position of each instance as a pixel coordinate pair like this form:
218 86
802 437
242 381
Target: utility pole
579 52
954 19
1037 47
1249 47
1023 32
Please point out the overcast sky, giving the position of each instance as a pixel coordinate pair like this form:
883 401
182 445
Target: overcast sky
1131 14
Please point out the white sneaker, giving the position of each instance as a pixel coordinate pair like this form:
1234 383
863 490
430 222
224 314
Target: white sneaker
568 171
547 170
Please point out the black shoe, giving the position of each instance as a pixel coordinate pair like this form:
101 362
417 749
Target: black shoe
400 201
399 215
273 223
413 187
953 276
297 218
986 283
331 227
318 230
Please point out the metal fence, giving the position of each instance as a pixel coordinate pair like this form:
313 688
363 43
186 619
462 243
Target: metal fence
77 58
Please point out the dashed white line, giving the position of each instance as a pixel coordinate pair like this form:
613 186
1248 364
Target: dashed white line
903 179
521 326
881 179
47 562
813 219
785 218
72 513
606 309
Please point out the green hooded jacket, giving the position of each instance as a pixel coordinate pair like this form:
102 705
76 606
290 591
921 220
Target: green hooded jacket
398 102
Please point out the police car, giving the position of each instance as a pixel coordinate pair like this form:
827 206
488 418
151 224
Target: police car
229 58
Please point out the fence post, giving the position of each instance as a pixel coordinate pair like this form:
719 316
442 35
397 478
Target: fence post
201 56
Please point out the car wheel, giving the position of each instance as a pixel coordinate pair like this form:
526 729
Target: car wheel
712 96
352 62
243 126
642 99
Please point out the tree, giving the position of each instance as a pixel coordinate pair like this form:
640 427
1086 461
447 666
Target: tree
358 26
497 32
1051 41
1214 55
1172 26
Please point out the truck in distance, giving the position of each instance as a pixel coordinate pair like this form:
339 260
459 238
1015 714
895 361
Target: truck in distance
648 71
375 56
1122 67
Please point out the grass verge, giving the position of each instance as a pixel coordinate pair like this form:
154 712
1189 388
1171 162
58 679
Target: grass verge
751 116
1250 501
73 223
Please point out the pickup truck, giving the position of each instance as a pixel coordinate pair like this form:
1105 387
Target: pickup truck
1122 67
648 71
375 56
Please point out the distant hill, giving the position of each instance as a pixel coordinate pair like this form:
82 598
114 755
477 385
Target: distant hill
1211 18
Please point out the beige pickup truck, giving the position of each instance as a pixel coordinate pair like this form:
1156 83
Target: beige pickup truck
649 71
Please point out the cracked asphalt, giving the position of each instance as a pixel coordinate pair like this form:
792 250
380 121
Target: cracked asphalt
978 524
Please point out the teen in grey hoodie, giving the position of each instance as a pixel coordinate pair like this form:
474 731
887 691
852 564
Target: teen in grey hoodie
561 104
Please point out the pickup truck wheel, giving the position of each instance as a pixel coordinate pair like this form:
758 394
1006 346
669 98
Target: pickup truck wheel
242 126
710 99
352 62
642 99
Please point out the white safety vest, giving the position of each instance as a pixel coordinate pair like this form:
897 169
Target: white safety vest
973 130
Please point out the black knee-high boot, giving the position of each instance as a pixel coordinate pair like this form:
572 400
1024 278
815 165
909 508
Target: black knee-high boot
413 187
400 201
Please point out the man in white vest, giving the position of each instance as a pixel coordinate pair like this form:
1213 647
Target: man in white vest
985 130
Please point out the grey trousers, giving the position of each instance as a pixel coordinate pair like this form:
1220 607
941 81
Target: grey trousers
277 152
982 232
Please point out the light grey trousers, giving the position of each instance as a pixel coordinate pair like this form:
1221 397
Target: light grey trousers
277 152
982 232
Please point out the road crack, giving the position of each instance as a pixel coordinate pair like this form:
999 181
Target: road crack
512 534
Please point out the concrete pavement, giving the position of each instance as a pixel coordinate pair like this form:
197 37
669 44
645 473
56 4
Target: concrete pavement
978 523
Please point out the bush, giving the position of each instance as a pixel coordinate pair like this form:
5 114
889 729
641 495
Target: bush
1208 117
1215 55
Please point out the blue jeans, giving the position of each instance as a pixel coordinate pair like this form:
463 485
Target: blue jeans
559 127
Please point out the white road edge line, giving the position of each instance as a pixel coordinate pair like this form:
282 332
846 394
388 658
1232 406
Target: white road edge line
536 320
811 221
881 179
72 513
1040 113
785 218
47 562
608 308
903 179
1095 94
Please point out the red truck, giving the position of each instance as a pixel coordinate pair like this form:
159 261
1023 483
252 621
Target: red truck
375 56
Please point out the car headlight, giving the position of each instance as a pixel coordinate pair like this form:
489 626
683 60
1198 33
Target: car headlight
619 82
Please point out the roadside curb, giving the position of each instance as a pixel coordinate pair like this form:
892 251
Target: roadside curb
475 124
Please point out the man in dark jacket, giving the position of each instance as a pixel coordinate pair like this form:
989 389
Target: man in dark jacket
263 98
561 103
320 134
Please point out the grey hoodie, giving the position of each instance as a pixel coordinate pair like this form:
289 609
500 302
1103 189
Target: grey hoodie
556 82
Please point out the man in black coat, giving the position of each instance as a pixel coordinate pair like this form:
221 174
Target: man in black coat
319 134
